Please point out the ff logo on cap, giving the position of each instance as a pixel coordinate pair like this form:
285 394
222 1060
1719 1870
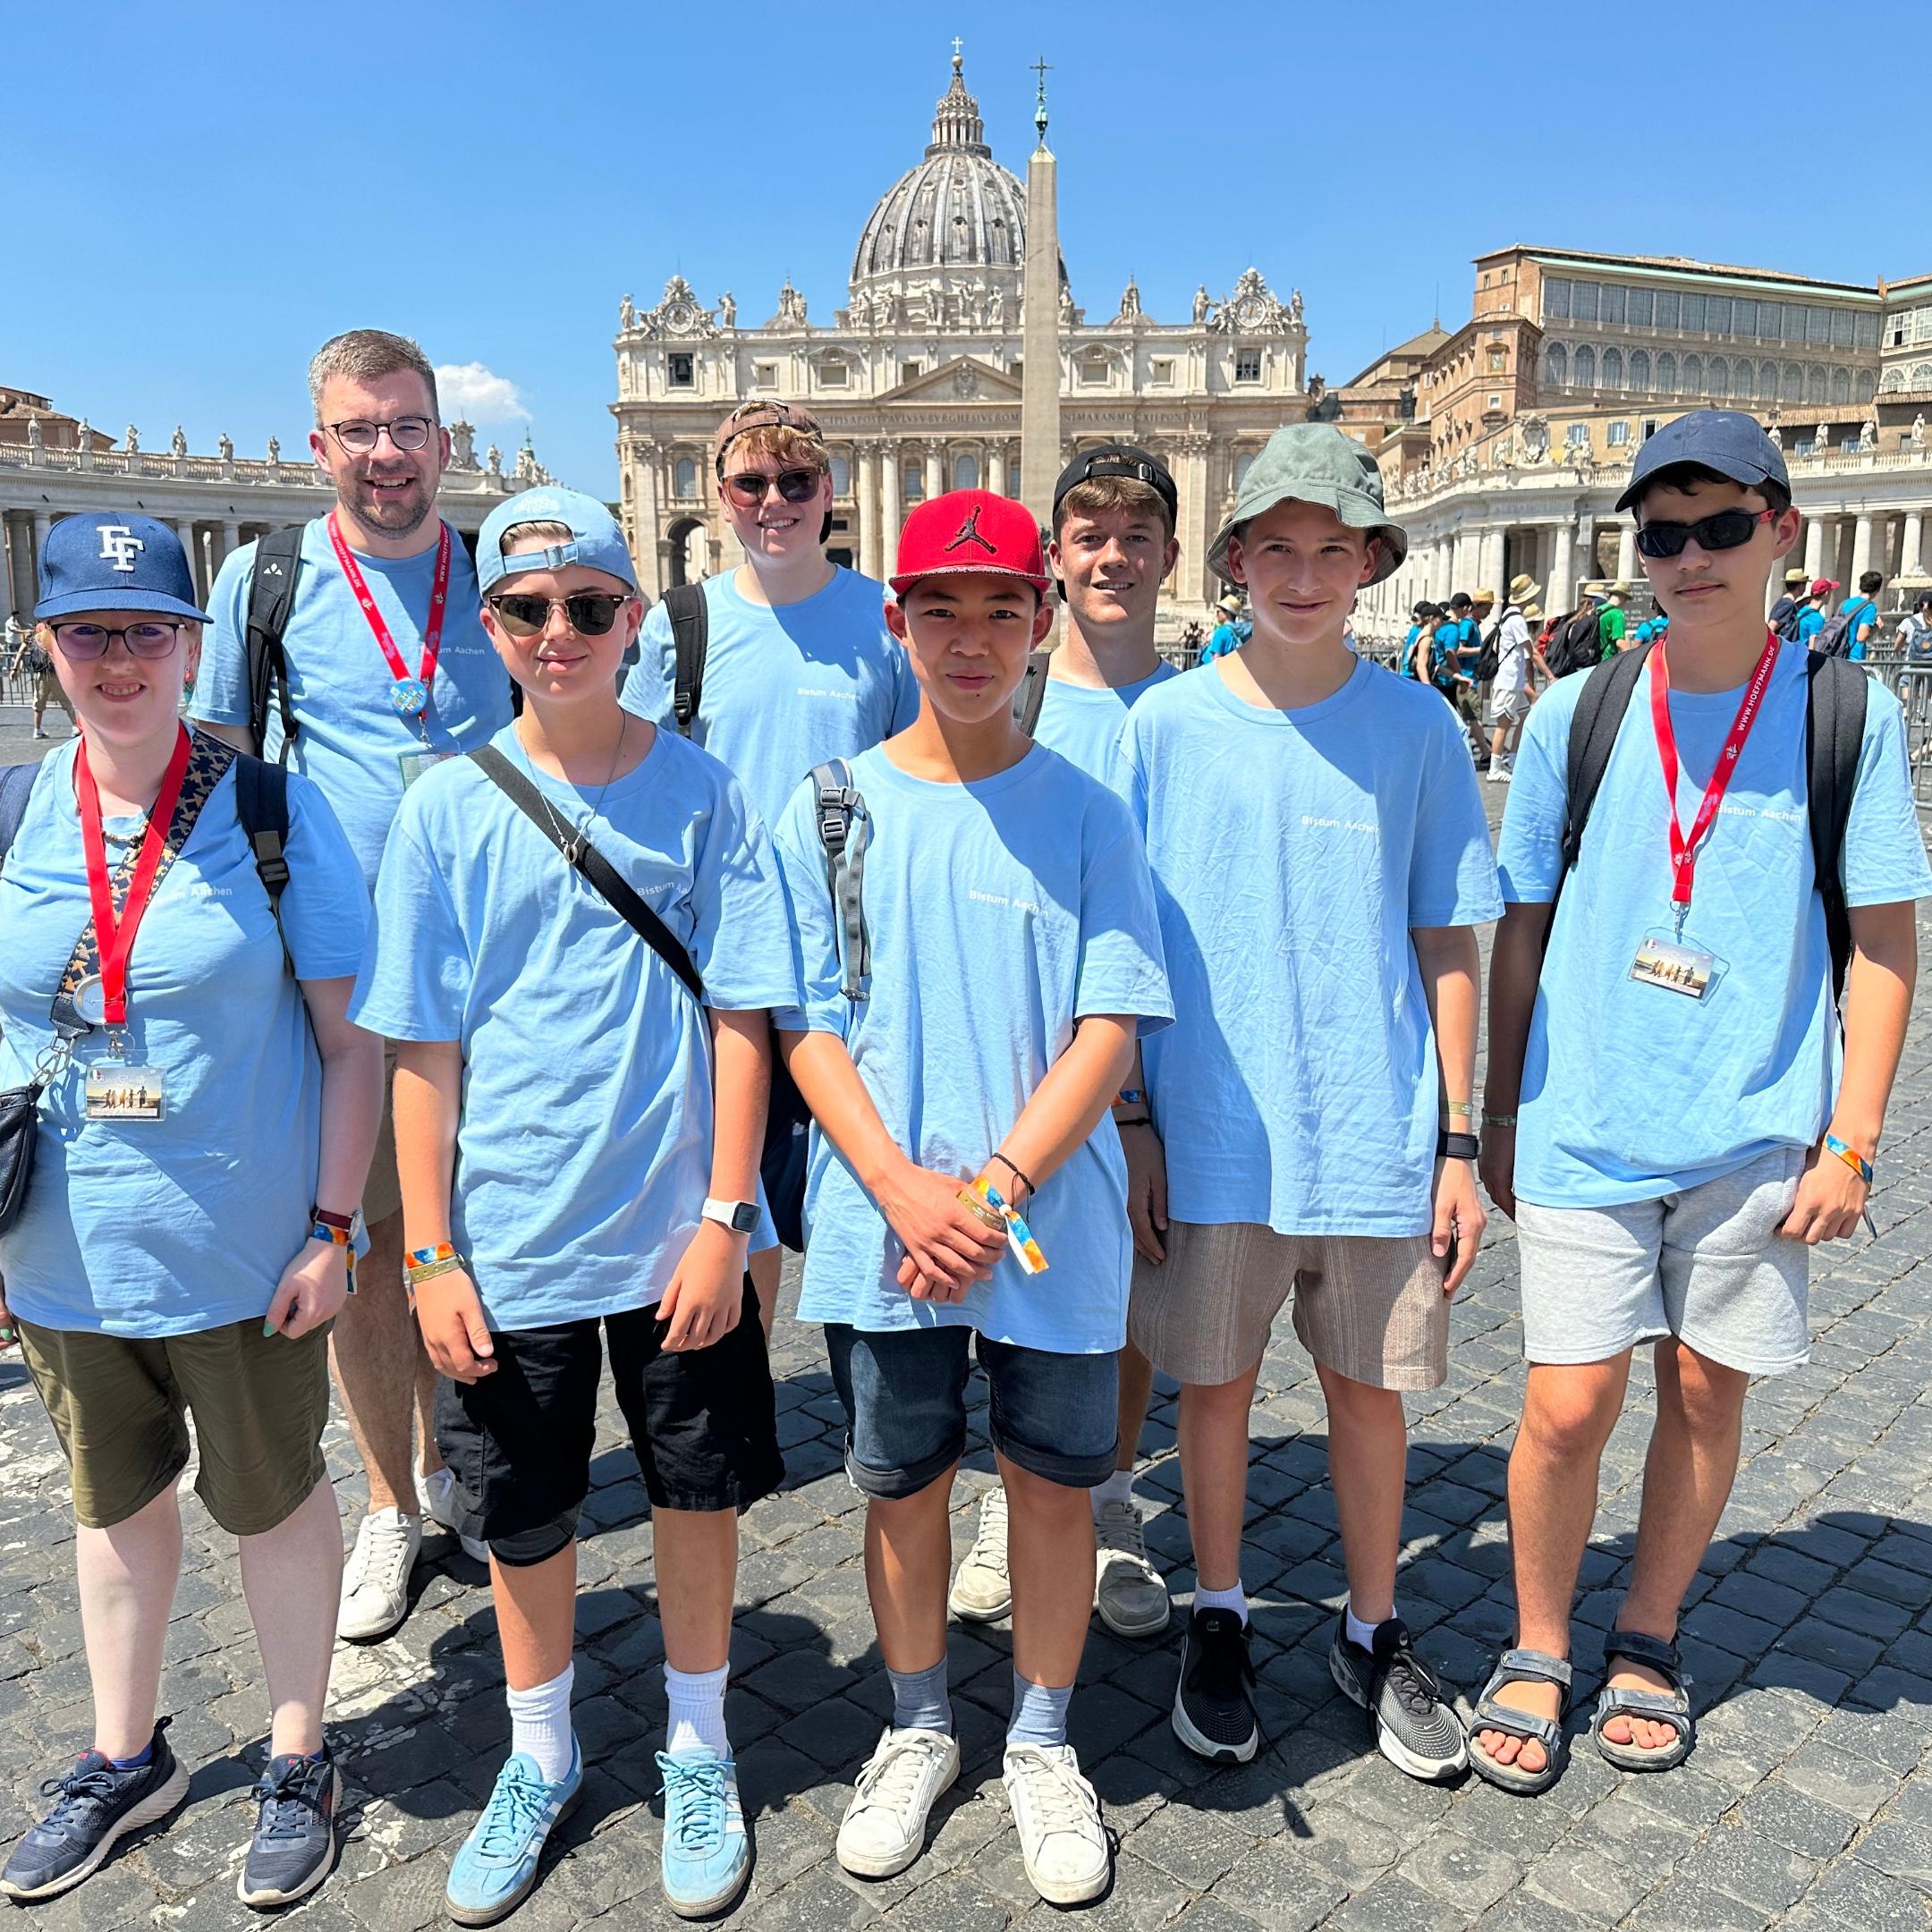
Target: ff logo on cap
118 546
969 532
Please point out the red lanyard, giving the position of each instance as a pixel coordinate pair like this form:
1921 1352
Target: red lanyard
432 631
114 937
1684 851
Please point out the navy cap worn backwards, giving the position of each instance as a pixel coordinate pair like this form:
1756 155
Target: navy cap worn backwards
1727 441
113 560
1120 460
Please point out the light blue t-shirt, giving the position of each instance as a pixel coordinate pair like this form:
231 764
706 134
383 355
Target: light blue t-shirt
1082 721
1810 621
1293 851
999 913
144 1228
1862 611
785 689
348 736
583 1155
1630 1091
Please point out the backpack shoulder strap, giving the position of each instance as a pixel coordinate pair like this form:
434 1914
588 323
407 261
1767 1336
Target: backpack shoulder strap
1835 732
271 602
261 804
690 635
602 875
16 785
1032 693
845 830
1600 707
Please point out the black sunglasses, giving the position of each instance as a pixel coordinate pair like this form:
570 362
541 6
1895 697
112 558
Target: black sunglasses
1723 531
590 614
748 488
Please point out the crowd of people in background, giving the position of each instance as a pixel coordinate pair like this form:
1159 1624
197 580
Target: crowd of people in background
1075 1015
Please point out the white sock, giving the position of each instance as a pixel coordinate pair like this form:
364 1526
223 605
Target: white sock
1234 1599
1117 1488
1360 1632
540 1726
696 1711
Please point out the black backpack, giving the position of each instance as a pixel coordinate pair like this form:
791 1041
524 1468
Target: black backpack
271 603
1834 731
1785 615
261 804
690 638
1032 693
1840 632
1576 645
1489 661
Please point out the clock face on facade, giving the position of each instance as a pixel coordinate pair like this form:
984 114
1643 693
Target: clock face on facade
679 315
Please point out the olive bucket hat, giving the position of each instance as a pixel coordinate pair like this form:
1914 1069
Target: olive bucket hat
1315 463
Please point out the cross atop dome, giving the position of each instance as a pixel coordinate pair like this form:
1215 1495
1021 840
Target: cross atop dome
956 123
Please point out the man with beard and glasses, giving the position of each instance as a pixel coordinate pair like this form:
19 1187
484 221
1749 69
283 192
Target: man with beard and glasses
388 670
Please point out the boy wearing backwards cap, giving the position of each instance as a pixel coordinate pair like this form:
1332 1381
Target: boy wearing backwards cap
578 1141
1319 855
1659 1111
1114 546
1013 961
799 667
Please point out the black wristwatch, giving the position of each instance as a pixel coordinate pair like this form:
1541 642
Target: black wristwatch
1457 1146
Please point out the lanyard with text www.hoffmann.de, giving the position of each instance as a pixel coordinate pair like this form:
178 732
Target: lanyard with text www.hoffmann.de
409 696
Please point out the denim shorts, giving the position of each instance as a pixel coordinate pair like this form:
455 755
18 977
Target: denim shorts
904 1392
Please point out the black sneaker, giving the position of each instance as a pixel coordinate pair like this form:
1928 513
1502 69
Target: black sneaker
1214 1712
293 1849
95 1806
1414 1727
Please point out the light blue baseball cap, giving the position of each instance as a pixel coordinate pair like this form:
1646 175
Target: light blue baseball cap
596 540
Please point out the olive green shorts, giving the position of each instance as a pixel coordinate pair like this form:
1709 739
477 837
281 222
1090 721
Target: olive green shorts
120 1408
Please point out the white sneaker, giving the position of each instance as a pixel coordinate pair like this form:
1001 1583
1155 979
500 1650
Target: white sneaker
438 1490
1496 775
983 1590
1129 1592
1057 1817
374 1592
884 1828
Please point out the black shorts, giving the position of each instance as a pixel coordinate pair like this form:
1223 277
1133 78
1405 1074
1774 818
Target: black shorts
781 1165
519 1442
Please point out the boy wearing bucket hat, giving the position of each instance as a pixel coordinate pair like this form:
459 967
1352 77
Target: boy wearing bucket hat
1509 690
1668 1116
1319 854
580 1095
964 1027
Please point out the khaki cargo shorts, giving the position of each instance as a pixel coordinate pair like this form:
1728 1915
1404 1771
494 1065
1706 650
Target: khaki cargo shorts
120 1408
1368 1307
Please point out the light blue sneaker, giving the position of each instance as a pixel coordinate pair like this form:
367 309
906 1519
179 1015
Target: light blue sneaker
493 1873
707 1853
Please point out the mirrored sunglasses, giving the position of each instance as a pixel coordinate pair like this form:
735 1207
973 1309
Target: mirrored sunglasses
590 614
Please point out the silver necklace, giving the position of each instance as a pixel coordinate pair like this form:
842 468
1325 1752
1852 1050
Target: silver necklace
573 839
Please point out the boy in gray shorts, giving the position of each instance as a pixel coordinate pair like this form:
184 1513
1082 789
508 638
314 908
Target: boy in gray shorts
1319 856
1669 1115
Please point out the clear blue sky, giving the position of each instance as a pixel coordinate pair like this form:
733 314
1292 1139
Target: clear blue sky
198 195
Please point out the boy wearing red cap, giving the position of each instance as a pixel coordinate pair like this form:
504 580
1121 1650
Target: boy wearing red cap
977 967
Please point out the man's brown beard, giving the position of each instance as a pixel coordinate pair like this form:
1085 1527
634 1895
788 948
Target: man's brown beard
393 516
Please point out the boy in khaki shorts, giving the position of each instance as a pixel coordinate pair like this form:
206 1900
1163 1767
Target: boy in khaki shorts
1319 855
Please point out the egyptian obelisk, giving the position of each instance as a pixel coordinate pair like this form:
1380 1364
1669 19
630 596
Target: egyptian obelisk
1039 382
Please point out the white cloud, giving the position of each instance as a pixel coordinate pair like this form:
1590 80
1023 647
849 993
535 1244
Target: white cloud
473 393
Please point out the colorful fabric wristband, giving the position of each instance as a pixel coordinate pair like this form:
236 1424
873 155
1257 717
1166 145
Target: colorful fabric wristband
1851 1157
338 1237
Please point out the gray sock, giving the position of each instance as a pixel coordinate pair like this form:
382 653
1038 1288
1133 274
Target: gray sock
920 1699
1039 1712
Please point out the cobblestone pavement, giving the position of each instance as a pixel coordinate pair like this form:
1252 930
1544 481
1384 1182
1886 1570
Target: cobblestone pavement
1804 1806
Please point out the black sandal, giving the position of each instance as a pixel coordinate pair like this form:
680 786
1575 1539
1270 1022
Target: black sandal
1672 1706
1514 1666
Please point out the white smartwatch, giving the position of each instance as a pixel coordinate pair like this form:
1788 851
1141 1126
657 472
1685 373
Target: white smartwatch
740 1217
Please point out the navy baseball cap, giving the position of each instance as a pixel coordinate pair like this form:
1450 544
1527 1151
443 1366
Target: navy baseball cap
113 560
595 541
1728 441
1120 460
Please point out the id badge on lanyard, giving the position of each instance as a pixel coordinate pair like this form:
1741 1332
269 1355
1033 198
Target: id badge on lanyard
409 696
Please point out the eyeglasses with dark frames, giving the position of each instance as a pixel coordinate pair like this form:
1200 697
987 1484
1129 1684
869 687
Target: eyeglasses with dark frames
409 434
590 612
82 641
1725 529
749 487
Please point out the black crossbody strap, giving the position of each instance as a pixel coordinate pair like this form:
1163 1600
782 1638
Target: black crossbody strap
1834 733
690 631
271 604
594 866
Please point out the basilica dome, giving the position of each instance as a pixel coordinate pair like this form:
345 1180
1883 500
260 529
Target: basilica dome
957 217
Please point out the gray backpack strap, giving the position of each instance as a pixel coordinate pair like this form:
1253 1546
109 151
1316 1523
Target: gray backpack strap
1032 693
16 784
845 830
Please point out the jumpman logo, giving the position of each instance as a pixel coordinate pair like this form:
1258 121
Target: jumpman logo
969 532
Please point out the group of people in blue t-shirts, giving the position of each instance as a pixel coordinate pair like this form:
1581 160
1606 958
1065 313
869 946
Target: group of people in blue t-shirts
1080 1014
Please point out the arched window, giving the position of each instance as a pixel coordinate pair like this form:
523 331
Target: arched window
1840 386
1666 375
1720 377
1894 379
1244 463
1612 368
1815 384
1922 376
1867 384
966 472
1792 383
1585 367
1556 365
841 476
1768 382
1693 375
684 476
1639 369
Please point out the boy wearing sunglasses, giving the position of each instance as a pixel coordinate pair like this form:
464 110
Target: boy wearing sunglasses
578 1138
1669 1115
799 667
